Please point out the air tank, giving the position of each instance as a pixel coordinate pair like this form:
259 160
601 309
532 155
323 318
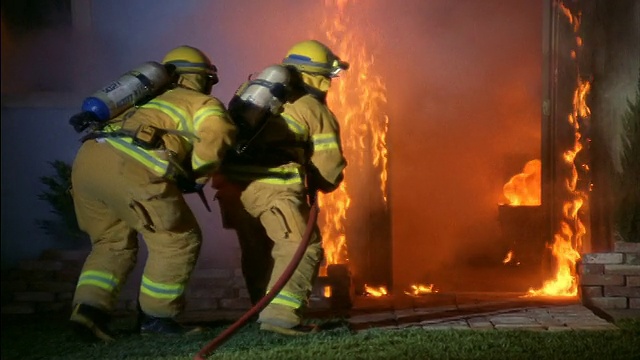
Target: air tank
263 94
135 86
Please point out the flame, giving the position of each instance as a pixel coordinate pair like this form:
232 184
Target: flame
525 188
418 289
375 291
572 231
508 257
357 98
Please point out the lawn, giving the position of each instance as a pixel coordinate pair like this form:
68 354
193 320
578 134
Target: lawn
26 338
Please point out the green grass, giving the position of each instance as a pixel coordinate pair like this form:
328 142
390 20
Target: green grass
51 339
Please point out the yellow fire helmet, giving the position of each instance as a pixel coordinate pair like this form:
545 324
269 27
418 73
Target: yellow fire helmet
189 60
313 57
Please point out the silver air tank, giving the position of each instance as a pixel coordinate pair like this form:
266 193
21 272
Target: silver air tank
143 82
263 94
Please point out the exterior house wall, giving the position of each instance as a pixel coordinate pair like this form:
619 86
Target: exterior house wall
611 31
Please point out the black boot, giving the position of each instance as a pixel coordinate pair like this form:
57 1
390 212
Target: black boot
164 326
91 323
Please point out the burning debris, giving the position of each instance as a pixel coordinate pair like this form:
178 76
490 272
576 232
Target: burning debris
335 289
510 259
521 221
416 290
375 291
523 234
419 290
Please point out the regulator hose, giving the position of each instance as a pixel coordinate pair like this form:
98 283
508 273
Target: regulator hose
284 278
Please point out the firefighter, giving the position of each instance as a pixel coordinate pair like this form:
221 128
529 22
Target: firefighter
129 180
264 193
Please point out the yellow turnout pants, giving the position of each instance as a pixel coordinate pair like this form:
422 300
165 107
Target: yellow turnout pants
283 212
116 199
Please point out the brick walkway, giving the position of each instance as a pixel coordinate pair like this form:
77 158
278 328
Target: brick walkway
475 311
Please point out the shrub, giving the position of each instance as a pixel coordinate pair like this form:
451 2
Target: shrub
64 227
628 182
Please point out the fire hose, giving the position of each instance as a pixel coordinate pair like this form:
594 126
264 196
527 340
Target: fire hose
266 299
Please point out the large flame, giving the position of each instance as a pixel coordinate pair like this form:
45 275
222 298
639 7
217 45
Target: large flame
524 188
357 98
568 241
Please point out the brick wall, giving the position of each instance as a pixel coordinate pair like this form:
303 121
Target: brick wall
46 285
607 280
611 280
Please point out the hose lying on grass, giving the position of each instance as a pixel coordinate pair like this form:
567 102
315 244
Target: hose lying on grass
284 278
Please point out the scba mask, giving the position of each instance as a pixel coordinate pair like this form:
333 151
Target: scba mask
337 67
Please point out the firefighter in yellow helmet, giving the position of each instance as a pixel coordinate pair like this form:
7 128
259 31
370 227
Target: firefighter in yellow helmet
129 180
264 193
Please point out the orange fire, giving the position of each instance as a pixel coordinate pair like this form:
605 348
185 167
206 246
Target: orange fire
419 289
357 98
568 241
509 258
376 291
524 188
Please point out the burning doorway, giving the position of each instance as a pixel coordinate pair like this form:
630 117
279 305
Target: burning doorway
458 119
